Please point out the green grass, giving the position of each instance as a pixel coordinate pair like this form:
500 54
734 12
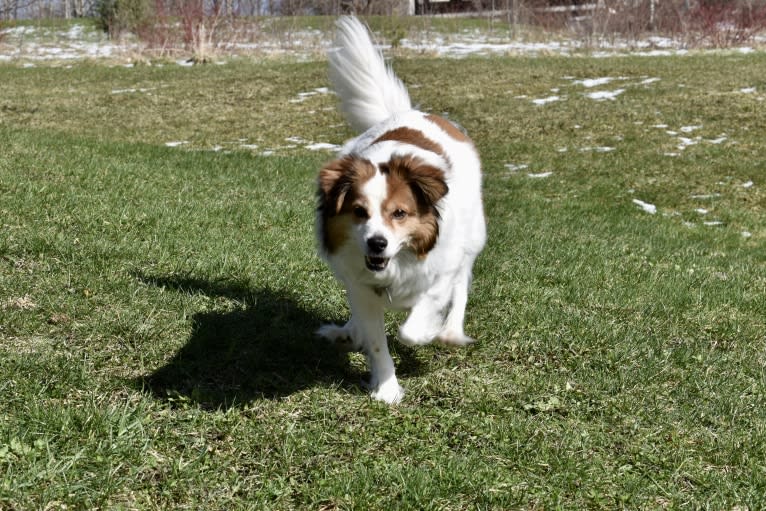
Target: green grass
157 304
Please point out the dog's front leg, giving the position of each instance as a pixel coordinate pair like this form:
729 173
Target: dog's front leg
367 317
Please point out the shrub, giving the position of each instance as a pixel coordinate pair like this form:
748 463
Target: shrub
118 16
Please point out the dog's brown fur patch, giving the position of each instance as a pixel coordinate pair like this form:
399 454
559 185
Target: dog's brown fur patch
412 137
449 128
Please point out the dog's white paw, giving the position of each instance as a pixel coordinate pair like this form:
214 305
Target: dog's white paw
390 392
340 336
452 338
413 336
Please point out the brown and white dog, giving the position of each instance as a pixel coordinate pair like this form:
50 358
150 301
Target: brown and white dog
400 218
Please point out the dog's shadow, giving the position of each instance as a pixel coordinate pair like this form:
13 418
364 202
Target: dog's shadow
265 350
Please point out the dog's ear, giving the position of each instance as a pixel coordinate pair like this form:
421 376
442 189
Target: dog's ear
337 178
427 182
332 187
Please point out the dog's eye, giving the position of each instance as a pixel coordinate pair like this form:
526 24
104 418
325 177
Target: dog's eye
360 212
399 214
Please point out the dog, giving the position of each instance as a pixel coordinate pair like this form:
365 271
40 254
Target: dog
400 219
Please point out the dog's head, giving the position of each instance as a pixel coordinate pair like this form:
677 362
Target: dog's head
382 208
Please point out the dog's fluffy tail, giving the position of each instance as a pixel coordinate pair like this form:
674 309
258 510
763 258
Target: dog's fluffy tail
369 90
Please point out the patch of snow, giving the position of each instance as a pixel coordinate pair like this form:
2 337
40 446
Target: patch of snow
749 184
648 81
593 82
706 196
718 140
649 208
176 144
603 95
540 175
747 234
701 211
747 90
689 129
322 146
598 149
686 142
516 167
713 223
545 101
129 91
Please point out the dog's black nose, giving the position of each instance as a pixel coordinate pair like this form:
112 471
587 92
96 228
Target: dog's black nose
377 244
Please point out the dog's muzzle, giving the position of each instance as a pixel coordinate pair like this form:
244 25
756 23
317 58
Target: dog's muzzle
376 263
376 245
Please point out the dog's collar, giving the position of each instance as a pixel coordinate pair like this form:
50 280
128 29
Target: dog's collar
380 290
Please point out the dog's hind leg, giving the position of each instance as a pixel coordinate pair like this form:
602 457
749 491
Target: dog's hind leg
453 333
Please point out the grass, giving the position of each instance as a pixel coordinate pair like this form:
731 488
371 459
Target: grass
157 303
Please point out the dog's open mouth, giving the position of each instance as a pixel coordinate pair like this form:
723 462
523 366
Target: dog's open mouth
376 263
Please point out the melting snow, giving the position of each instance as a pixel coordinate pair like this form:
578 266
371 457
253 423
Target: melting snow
545 101
593 82
322 146
540 175
605 94
649 208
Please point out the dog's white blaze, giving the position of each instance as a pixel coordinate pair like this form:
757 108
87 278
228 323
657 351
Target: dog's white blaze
375 191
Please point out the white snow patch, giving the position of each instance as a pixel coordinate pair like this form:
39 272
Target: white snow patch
749 184
701 211
598 149
747 234
686 142
303 96
747 90
649 208
129 91
648 81
589 83
706 196
719 140
322 146
603 95
689 129
713 223
176 143
513 167
545 101
540 175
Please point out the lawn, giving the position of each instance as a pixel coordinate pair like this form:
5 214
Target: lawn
159 289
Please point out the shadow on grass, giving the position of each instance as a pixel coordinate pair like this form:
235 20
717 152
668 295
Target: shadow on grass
267 350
